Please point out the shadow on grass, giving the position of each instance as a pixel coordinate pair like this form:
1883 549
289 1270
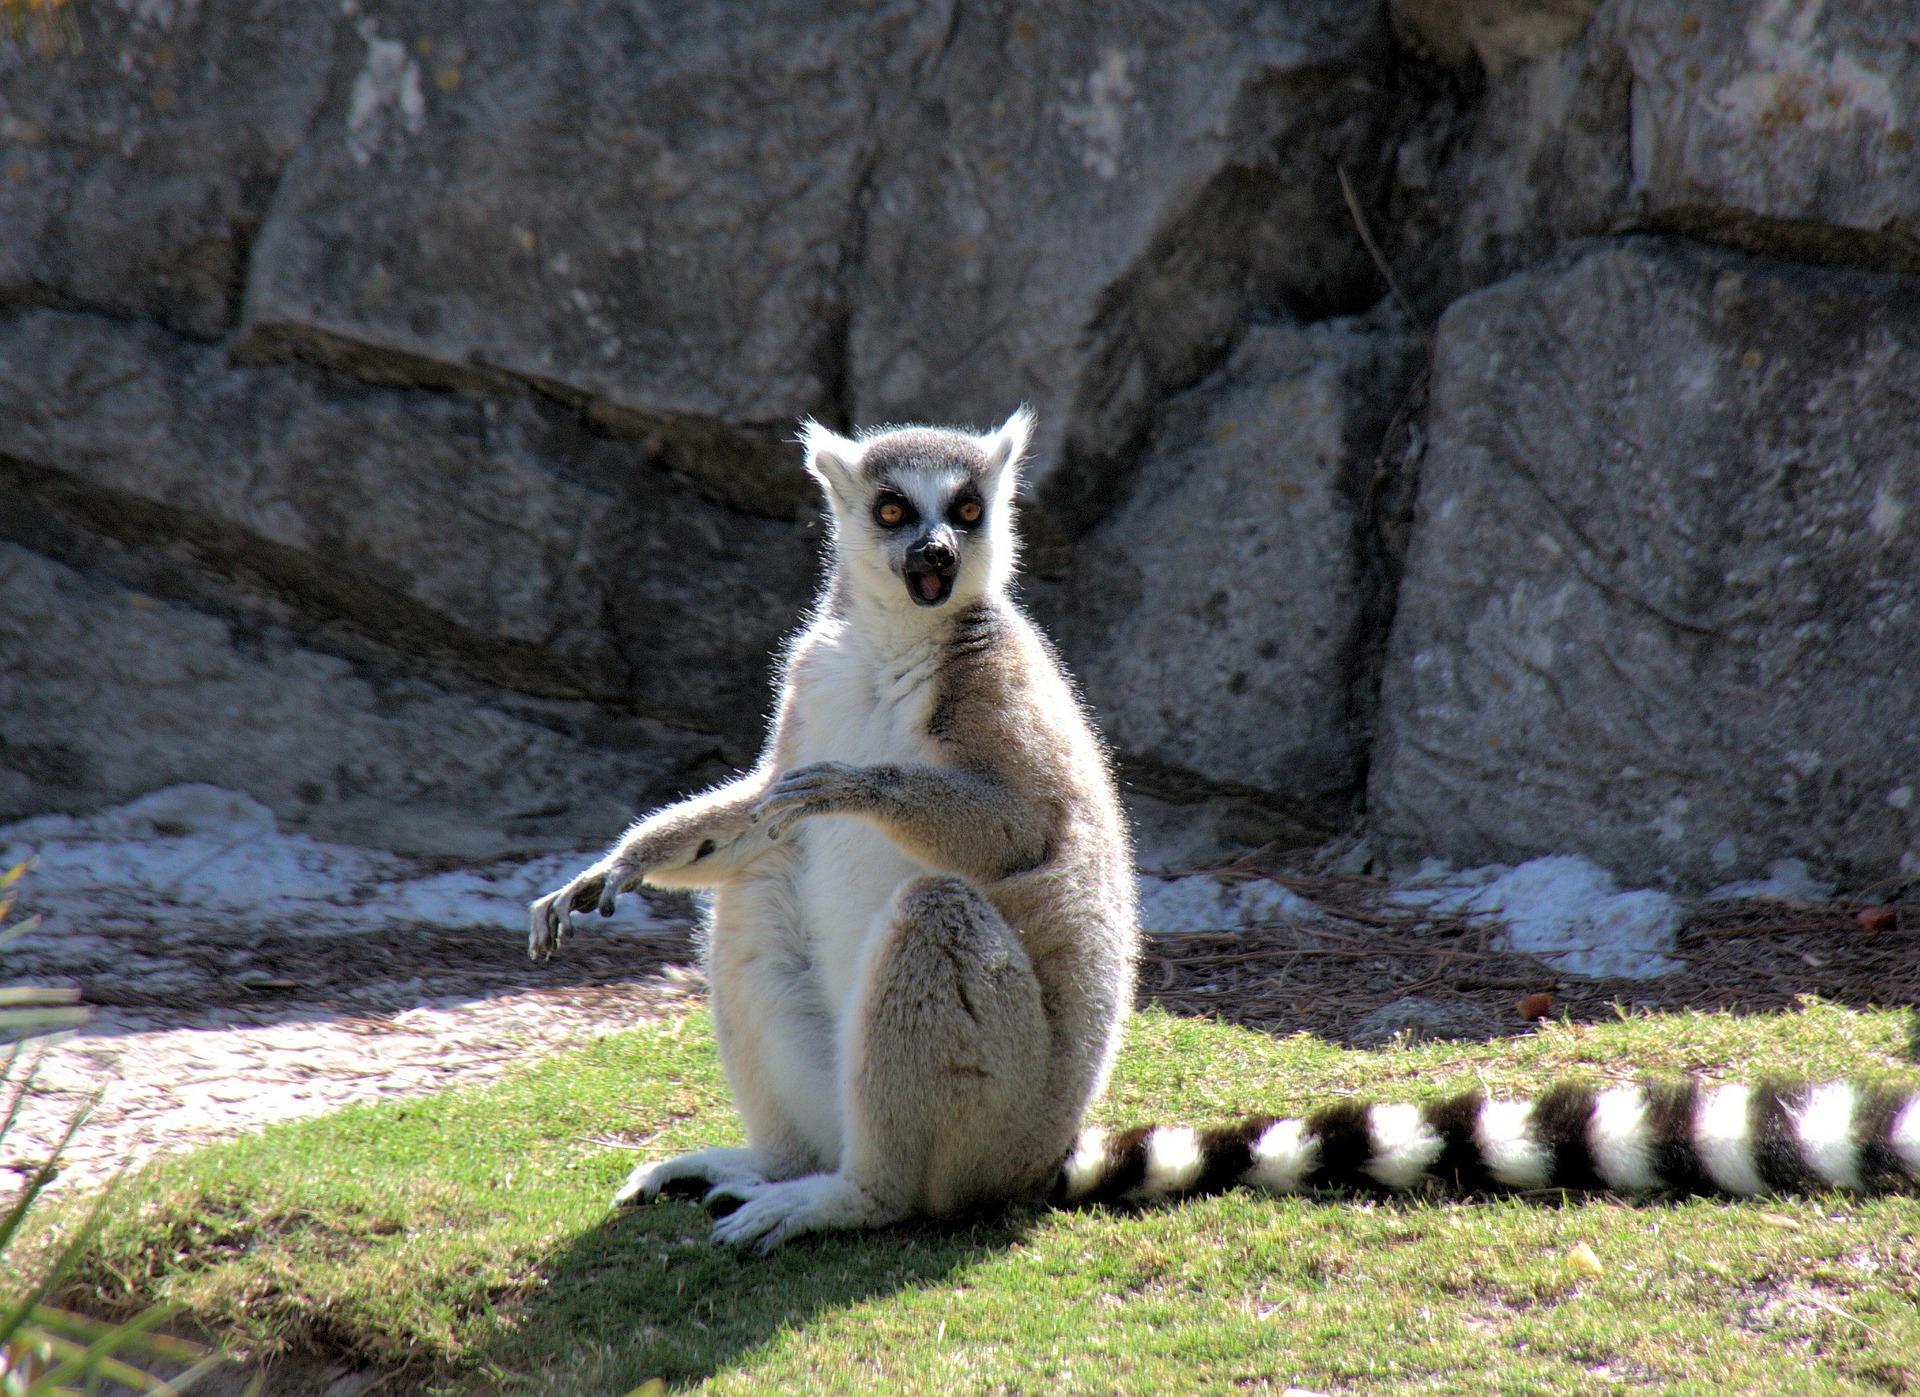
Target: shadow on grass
647 1294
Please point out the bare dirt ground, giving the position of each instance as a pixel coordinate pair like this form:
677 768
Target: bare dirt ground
209 1035
1343 977
201 1034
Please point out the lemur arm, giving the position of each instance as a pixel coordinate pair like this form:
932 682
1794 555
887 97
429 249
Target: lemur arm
959 820
699 842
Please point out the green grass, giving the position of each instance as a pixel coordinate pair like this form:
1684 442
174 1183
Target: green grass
466 1238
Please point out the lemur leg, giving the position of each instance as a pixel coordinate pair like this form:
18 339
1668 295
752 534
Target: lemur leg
776 1043
944 1078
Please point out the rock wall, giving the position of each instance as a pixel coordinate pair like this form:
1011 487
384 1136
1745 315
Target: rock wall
397 401
1661 605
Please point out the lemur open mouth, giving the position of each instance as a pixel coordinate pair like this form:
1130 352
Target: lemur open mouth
928 586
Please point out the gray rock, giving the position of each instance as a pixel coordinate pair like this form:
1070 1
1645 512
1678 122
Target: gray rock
489 534
1547 160
1787 879
1079 210
1494 34
106 694
643 209
1419 1018
1216 619
1750 126
135 170
1785 128
1662 606
1200 902
196 857
1565 909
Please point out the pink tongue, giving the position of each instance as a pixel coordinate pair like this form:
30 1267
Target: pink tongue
929 585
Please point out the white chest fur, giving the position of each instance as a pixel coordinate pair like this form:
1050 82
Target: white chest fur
862 703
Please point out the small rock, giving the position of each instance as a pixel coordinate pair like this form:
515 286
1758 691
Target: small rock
1564 908
1201 902
1583 1262
1878 918
1788 879
1357 860
1419 1018
1535 1006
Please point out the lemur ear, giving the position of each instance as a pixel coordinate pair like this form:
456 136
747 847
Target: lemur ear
1004 449
832 459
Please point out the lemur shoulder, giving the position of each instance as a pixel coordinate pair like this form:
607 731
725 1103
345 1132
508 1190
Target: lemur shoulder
922 932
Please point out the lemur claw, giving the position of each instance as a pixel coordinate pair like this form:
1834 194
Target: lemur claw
552 916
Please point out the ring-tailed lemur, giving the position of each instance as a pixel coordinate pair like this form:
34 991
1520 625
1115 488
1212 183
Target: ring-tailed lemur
922 933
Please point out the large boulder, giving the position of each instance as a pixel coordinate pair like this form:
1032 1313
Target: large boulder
1217 620
646 210
1662 606
107 693
490 534
1790 128
1773 128
137 164
1080 209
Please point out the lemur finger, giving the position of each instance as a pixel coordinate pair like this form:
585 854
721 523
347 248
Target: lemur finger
769 805
609 897
801 781
540 942
722 1200
585 892
799 810
807 780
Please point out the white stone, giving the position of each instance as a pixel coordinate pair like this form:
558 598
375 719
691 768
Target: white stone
1201 902
1565 909
192 855
1786 878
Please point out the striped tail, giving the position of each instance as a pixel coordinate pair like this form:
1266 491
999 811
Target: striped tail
1684 1138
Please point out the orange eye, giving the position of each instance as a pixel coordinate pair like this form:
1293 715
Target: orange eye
890 512
968 512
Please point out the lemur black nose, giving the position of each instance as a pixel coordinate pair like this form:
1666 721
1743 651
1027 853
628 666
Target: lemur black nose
934 554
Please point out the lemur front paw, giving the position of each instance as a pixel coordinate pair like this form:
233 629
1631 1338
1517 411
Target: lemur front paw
819 788
639 856
552 915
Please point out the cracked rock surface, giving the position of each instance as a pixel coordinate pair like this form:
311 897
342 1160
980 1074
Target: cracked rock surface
1660 606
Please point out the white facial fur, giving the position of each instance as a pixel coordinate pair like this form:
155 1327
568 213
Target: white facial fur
928 467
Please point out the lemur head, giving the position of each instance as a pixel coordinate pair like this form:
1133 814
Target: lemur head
921 515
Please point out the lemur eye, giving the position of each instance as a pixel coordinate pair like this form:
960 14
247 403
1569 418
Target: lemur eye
967 511
892 511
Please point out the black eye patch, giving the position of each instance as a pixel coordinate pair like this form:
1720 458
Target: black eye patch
892 510
966 511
